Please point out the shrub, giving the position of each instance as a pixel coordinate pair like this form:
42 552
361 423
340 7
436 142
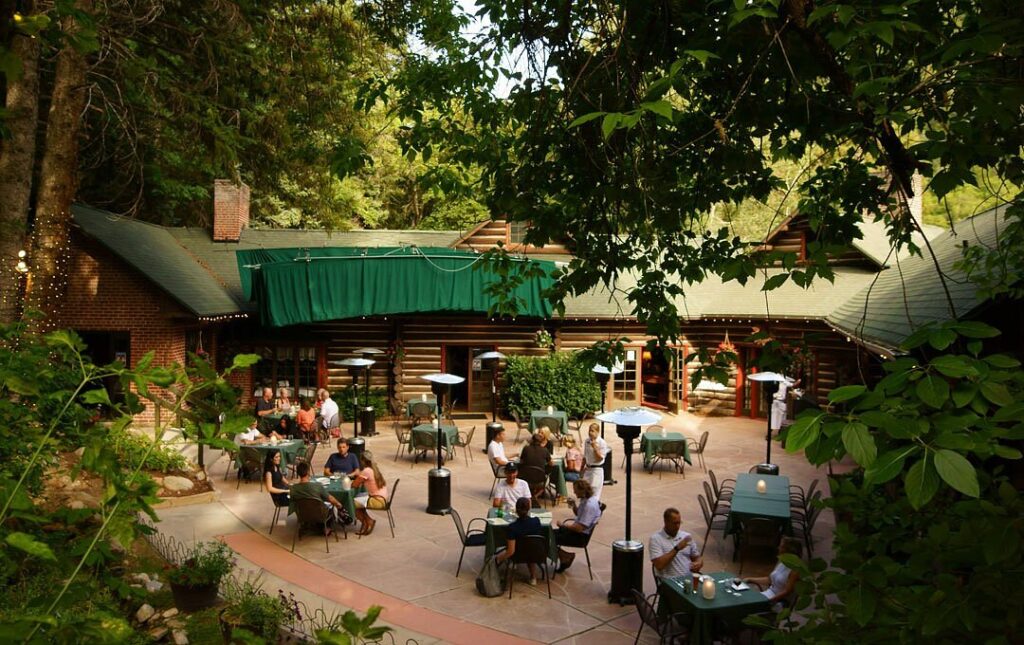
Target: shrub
252 609
378 399
204 564
560 379
131 447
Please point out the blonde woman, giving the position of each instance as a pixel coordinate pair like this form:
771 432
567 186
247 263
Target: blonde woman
595 449
573 464
375 495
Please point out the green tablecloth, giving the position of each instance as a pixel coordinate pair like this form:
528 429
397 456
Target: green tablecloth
725 607
345 497
649 442
432 402
450 433
289 450
558 476
536 415
747 502
494 533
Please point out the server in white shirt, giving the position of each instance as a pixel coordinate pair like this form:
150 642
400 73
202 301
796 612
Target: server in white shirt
595 450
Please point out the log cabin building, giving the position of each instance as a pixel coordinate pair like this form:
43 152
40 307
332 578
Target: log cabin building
305 299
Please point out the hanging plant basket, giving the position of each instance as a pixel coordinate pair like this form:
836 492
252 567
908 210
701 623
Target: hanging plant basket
726 345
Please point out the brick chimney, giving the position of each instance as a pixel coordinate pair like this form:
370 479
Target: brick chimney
230 210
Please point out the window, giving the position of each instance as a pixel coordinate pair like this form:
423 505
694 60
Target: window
517 232
624 385
293 367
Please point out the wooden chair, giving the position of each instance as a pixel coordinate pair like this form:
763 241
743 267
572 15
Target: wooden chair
533 550
758 534
402 434
251 468
464 440
673 451
305 456
387 506
421 412
709 520
697 448
313 513
468 536
670 629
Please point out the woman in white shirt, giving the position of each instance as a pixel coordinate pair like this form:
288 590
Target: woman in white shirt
780 584
595 449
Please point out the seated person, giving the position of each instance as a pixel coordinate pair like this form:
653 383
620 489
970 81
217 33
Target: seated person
374 497
508 491
265 405
496 452
673 552
286 427
576 531
273 479
523 526
284 399
306 489
342 462
536 454
547 440
573 463
779 586
250 435
305 419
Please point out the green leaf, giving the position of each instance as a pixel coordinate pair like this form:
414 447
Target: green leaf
21 386
608 124
940 339
954 366
881 30
888 465
701 55
956 471
975 329
775 281
933 390
1006 452
845 393
803 432
662 108
586 118
98 396
963 393
1002 361
996 393
921 483
30 545
861 603
860 443
241 361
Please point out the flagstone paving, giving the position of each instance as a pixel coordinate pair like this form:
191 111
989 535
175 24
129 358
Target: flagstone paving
413 574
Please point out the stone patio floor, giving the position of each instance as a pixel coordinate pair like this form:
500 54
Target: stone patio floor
413 574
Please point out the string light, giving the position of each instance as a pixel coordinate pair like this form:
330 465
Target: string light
222 317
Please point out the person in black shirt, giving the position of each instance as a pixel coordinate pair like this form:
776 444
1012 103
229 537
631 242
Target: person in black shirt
523 525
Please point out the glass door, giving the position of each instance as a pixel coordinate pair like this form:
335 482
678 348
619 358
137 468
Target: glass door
624 386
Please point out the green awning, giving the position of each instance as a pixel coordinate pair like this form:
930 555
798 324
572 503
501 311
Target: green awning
294 286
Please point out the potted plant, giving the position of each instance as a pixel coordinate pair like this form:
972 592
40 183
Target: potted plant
196 579
251 612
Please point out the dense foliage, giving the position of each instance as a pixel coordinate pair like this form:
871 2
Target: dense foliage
205 563
133 448
559 379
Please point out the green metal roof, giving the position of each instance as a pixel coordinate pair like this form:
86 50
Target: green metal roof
910 293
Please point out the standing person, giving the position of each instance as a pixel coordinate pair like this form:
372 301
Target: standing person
510 490
343 461
523 526
265 405
304 420
375 495
779 401
573 463
575 531
595 449
781 582
496 452
673 551
273 479
328 408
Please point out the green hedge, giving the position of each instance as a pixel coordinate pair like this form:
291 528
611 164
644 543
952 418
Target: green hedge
560 379
378 399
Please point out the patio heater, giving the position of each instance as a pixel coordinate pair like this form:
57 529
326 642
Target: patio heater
770 382
628 554
492 359
355 366
439 479
367 416
603 375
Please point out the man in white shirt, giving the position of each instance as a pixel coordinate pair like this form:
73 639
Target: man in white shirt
496 453
673 551
328 408
249 435
510 490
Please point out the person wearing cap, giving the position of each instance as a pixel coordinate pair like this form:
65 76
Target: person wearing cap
510 489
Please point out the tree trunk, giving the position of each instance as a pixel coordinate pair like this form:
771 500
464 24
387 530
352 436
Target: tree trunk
58 182
17 159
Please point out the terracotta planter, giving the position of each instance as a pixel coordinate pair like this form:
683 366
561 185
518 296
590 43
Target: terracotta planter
190 598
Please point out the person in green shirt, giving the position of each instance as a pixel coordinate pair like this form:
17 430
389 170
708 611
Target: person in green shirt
306 489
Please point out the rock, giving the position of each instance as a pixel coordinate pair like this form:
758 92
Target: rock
170 613
201 476
76 505
135 586
175 483
159 480
141 577
175 623
154 586
80 451
158 633
180 637
144 613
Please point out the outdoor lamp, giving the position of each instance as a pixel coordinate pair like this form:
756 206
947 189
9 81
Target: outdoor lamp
628 554
439 479
355 368
492 358
368 418
771 382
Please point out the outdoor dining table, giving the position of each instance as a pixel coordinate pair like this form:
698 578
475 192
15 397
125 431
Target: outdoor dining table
650 441
729 607
557 475
494 532
450 433
334 488
537 415
747 502
432 402
289 448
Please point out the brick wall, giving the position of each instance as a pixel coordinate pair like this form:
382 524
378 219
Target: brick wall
106 294
230 210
